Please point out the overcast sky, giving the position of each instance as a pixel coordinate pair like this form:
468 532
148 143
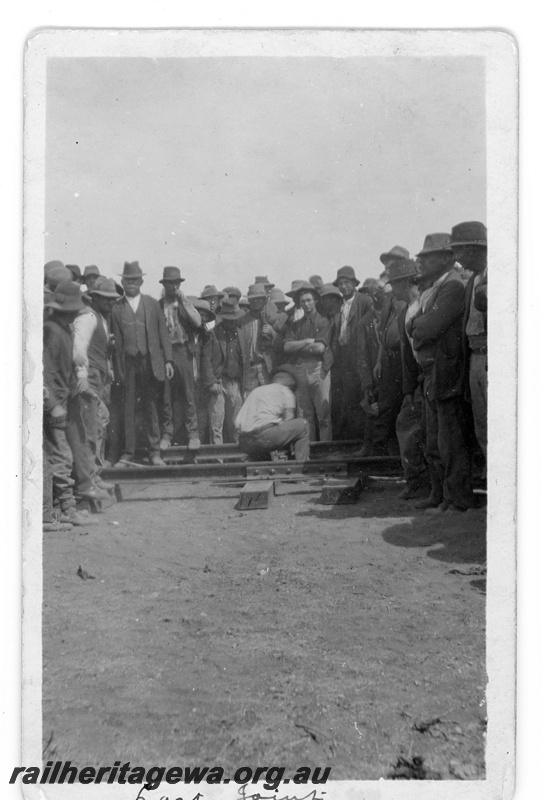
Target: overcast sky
232 167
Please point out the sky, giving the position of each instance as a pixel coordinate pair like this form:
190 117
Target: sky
235 167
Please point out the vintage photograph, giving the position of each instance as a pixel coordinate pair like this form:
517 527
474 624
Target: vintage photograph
268 542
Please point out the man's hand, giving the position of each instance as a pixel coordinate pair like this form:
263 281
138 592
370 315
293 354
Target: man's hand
57 417
215 388
169 370
83 386
57 412
267 330
180 296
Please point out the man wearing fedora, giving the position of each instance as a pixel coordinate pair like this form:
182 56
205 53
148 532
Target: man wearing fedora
267 420
143 360
226 369
182 321
469 245
436 338
59 392
306 346
92 363
347 416
258 337
90 276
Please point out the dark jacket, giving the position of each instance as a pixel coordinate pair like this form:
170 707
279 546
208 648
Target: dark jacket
186 324
58 374
214 354
158 342
437 338
410 367
265 343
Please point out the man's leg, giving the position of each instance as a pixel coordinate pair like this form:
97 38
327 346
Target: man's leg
167 415
131 366
478 391
454 450
215 408
319 388
408 427
277 437
432 454
150 391
184 366
304 399
76 436
232 405
60 460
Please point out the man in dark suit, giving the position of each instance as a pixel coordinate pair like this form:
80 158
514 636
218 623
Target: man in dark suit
143 359
182 321
469 243
347 417
436 337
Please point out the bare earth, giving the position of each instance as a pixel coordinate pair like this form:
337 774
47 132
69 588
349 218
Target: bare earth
303 635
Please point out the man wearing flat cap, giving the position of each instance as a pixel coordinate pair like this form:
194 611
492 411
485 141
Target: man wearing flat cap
436 339
182 322
143 360
469 244
347 417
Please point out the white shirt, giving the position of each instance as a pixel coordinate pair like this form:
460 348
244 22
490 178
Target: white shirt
134 301
265 405
345 313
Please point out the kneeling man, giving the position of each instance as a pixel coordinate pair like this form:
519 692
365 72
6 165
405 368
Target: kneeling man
267 420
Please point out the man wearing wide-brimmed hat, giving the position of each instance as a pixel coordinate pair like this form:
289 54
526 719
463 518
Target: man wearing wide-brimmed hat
436 339
90 276
227 368
307 348
182 322
92 362
143 360
469 244
65 305
258 337
347 417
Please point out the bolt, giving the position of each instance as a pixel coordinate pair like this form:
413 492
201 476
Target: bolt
256 471
288 471
271 471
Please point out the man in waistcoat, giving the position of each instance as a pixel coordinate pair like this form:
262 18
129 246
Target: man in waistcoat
143 359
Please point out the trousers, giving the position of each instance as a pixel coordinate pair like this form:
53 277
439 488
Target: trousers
141 385
347 417
180 397
478 393
77 427
60 461
259 446
390 399
312 394
411 437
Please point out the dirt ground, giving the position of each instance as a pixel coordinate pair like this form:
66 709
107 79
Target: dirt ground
302 635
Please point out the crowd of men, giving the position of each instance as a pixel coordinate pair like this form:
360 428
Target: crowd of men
398 364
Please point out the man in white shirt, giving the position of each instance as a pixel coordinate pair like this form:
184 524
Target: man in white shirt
267 420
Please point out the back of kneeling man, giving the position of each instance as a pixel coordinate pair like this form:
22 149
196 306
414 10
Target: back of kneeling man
267 420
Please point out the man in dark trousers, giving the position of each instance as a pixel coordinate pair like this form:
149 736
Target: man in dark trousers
143 359
347 417
436 337
226 367
469 244
182 321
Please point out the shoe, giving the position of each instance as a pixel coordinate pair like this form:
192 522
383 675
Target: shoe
194 444
428 502
104 485
156 461
75 518
124 462
165 443
94 493
363 452
55 525
440 509
412 489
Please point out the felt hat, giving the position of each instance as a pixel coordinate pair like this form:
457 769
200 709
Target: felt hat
316 279
435 243
469 233
346 272
406 268
67 298
105 287
171 274
229 309
58 275
203 305
91 270
132 269
263 279
75 271
255 291
330 290
232 291
393 254
301 286
243 302
52 265
210 291
278 296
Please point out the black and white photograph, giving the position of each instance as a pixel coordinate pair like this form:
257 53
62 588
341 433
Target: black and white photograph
270 468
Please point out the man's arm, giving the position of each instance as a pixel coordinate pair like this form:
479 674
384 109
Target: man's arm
84 326
289 413
447 307
296 345
189 311
163 335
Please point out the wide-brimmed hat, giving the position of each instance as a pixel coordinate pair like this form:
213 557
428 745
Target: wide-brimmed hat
52 265
435 243
346 272
132 269
171 274
289 369
243 302
395 253
255 291
330 290
232 291
67 297
203 305
316 278
301 286
91 270
263 279
56 276
75 271
106 287
278 296
210 291
469 233
229 309
399 270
